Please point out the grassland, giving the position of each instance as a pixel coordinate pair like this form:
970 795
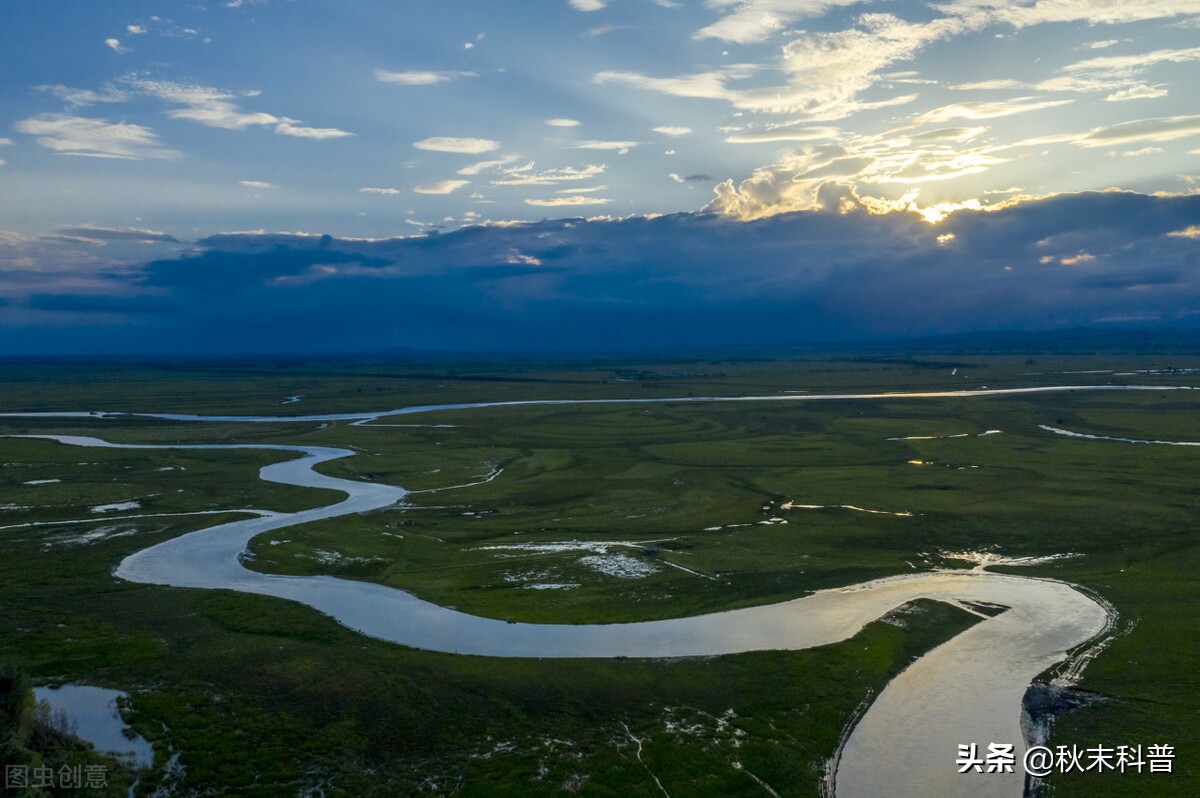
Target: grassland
264 697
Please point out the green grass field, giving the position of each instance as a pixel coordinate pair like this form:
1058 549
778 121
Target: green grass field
260 696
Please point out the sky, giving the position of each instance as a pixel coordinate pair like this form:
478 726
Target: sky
575 164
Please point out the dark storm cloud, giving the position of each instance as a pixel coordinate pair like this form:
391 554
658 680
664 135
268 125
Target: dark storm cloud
83 303
218 270
687 280
1127 281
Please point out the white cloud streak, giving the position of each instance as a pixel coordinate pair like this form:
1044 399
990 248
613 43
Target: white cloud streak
585 190
1120 75
525 176
773 135
218 108
704 85
567 202
442 187
620 147
1136 93
1166 128
986 110
486 166
76 98
421 78
94 138
287 127
470 146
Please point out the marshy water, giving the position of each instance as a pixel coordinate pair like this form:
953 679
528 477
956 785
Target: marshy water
968 690
96 718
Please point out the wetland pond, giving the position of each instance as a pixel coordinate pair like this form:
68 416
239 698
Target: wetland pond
95 718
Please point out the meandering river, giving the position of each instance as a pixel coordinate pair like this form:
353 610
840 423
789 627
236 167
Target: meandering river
967 690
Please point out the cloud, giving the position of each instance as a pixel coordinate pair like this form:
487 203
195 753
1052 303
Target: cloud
570 201
525 176
584 190
909 76
256 184
563 122
219 108
76 98
135 30
469 146
5 142
825 71
841 172
115 44
671 130
1137 93
1119 75
660 283
421 78
1093 12
1166 128
621 147
94 138
588 5
828 70
442 187
704 85
750 21
287 128
1139 153
121 234
380 191
986 110
990 85
1118 65
1191 231
523 259
487 166
607 27
784 134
